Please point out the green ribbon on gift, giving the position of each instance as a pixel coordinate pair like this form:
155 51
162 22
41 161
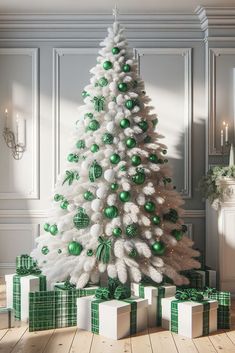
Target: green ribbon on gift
133 315
103 293
24 261
33 270
95 324
189 294
103 250
65 285
121 292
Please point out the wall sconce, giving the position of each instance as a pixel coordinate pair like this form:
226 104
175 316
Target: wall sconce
224 142
16 142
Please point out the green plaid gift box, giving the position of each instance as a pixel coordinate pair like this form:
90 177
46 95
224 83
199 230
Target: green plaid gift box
42 310
224 317
196 279
25 261
65 308
6 318
154 294
224 308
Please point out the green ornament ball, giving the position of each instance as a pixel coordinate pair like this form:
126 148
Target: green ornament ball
115 50
89 252
115 158
156 220
80 144
135 160
74 248
58 197
130 142
103 82
114 186
64 204
138 178
124 123
126 68
94 148
153 158
53 229
111 212
117 232
122 87
107 65
46 227
93 125
81 220
70 157
171 216
164 151
158 248
107 139
129 104
177 233
132 253
149 206
88 196
45 250
143 125
95 171
132 230
75 158
124 196
59 251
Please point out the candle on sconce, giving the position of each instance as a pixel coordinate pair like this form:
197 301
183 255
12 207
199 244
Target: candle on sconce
222 138
226 133
6 116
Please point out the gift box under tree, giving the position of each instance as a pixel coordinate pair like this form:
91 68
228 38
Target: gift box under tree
154 294
6 318
208 277
224 306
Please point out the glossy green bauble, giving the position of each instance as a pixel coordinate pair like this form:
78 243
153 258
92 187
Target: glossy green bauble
107 65
138 178
158 248
74 248
80 144
124 123
114 186
75 158
171 216
89 115
53 229
122 87
168 180
177 233
59 251
164 151
184 228
46 227
149 206
45 250
70 157
126 68
135 160
95 171
124 196
58 197
143 125
103 82
130 142
156 220
117 232
94 148
115 158
111 212
153 158
115 50
107 139
132 230
64 204
81 220
93 125
129 104
89 252
88 195
132 253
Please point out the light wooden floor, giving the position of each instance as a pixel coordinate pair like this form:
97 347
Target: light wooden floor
73 340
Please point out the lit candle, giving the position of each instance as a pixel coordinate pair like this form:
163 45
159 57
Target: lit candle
6 116
222 138
226 133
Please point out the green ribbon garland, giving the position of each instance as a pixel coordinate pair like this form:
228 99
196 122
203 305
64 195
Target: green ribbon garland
103 250
98 103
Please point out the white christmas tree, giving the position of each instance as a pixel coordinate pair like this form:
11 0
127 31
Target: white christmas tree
115 208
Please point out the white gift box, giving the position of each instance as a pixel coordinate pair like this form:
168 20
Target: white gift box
9 290
190 317
6 318
151 293
208 278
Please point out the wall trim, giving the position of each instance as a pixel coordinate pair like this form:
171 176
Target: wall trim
216 17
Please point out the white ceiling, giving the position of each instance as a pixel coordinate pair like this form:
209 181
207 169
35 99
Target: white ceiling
105 6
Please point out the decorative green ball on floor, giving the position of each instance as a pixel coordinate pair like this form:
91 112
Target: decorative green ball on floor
95 171
64 204
94 148
70 157
117 232
107 139
89 252
124 123
74 248
177 233
103 82
139 178
80 144
93 125
46 227
158 248
143 125
126 68
132 253
122 87
81 220
184 228
124 196
115 158
132 230
58 197
149 206
171 216
111 212
156 220
153 158
114 186
135 160
53 229
130 142
115 50
88 196
129 104
107 65
45 250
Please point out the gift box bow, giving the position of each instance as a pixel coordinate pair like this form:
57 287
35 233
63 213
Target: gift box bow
23 271
189 294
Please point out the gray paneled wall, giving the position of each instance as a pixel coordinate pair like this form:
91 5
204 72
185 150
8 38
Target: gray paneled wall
43 72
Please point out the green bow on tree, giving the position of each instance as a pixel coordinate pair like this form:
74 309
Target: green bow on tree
70 176
103 250
189 294
98 103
